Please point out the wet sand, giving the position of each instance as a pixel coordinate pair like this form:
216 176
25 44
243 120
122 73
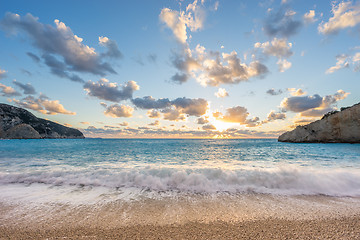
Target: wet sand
252 216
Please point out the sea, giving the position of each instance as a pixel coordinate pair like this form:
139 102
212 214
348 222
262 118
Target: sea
175 180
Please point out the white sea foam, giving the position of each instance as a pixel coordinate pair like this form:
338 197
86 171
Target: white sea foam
286 181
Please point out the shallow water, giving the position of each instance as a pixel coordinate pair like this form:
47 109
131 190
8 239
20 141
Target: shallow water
87 167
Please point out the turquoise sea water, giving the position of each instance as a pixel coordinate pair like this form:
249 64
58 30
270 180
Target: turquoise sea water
177 166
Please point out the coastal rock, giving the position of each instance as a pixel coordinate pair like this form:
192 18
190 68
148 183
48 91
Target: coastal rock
18 123
334 127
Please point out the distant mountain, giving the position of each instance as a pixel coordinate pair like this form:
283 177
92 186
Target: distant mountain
18 123
334 127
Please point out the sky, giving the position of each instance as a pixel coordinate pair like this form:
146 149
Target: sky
180 69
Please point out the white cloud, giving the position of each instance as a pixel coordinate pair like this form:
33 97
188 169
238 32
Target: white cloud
43 105
116 111
283 65
178 21
8 91
296 92
345 15
309 17
342 62
221 93
2 73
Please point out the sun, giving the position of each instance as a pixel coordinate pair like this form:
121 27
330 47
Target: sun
222 126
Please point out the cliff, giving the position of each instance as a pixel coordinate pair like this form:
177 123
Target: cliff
18 123
334 127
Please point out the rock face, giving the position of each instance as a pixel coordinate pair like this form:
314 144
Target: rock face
18 123
334 127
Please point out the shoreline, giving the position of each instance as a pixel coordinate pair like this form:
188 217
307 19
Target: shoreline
252 216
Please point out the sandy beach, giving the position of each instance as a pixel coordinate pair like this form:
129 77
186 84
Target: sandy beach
338 228
252 216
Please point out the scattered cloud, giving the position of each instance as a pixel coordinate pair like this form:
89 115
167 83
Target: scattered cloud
345 15
312 106
281 23
153 114
283 65
43 105
221 93
179 21
202 120
173 114
191 107
103 89
116 111
237 114
309 17
272 116
33 56
156 123
85 123
278 48
296 92
8 91
209 127
274 92
26 88
62 51
346 61
2 73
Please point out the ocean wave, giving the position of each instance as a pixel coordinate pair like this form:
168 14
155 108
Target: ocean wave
332 182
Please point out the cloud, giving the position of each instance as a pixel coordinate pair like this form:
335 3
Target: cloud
309 17
191 107
281 23
180 78
202 120
300 104
112 48
116 111
124 124
228 69
237 114
2 73
278 48
274 92
209 127
283 65
43 105
62 51
313 106
149 102
272 116
153 114
173 114
178 21
152 58
345 15
85 123
103 89
296 92
221 93
345 61
27 88
156 123
7 91
33 56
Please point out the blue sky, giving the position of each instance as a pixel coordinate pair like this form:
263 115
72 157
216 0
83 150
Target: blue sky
212 68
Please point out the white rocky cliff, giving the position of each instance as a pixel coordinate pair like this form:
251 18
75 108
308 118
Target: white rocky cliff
334 127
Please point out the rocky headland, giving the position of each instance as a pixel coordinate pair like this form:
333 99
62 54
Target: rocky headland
334 127
18 123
